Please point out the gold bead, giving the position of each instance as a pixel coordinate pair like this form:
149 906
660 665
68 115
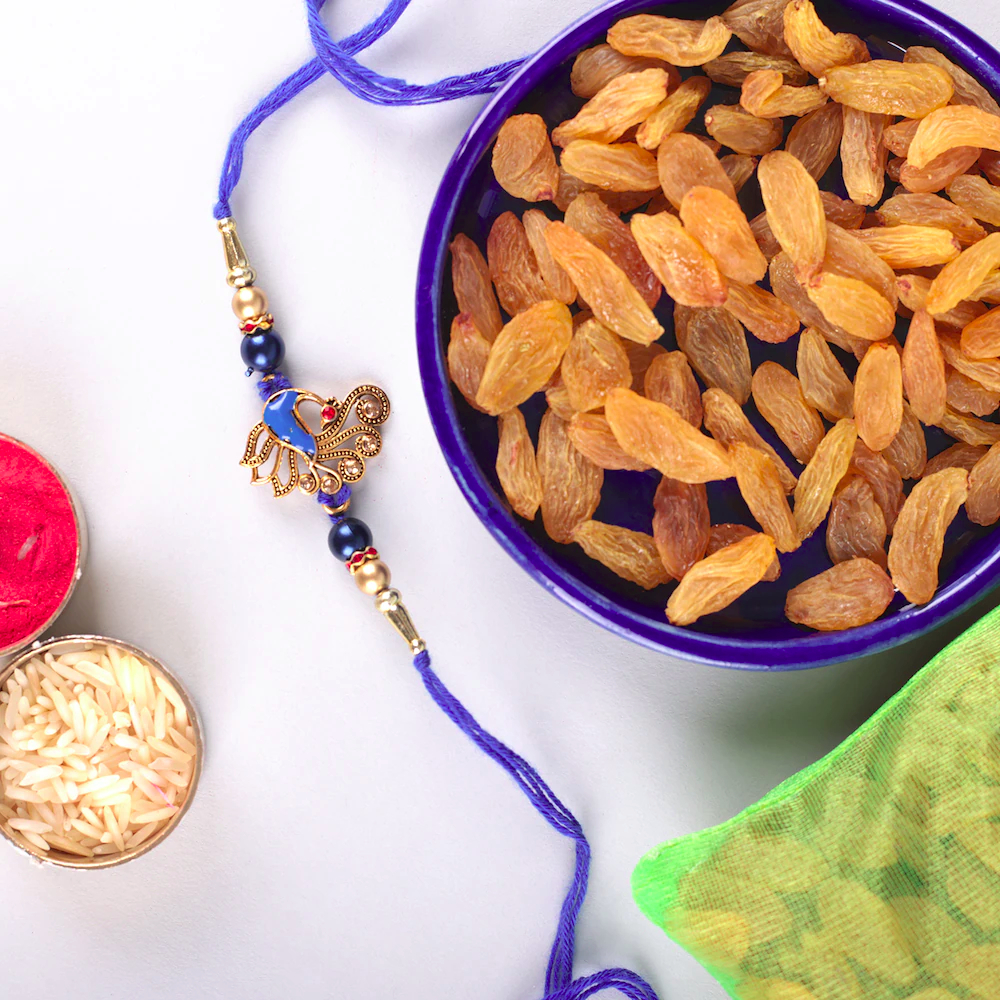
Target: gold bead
249 302
372 577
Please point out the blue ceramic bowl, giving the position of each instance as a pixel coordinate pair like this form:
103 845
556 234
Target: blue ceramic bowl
752 633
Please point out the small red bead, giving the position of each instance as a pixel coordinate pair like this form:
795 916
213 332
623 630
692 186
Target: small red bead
328 413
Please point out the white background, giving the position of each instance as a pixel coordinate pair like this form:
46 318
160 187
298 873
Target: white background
346 841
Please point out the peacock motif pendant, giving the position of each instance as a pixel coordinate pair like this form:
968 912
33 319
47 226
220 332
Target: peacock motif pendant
315 459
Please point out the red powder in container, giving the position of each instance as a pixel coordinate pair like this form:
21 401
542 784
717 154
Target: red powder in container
39 544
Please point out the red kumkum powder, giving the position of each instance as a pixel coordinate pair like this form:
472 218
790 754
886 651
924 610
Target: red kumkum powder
39 544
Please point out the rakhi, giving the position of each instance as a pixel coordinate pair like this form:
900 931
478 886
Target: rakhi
285 453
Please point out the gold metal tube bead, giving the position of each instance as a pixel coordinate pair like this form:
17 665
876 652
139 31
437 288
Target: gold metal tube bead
241 273
390 603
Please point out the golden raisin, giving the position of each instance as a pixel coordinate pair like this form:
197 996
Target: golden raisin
985 371
884 479
739 168
513 267
735 127
557 399
728 424
983 502
525 356
669 380
977 196
965 395
524 163
631 555
946 128
761 488
778 396
886 87
971 430
908 449
468 351
605 286
759 25
981 336
968 90
640 357
913 289
819 479
842 211
824 383
794 211
680 524
850 594
940 172
853 258
557 281
765 94
594 362
918 541
734 67
763 314
958 456
516 466
716 581
923 369
676 41
725 534
622 166
595 67
470 279
905 247
719 224
813 44
661 437
852 305
878 396
716 346
856 525
863 156
964 275
675 113
617 201
571 484
815 139
683 163
592 437
931 211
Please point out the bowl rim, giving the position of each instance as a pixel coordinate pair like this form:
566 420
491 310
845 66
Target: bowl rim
738 652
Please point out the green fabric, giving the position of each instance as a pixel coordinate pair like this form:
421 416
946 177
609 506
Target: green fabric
874 873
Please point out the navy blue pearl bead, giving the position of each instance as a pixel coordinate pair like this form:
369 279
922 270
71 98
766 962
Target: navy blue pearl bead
263 351
349 536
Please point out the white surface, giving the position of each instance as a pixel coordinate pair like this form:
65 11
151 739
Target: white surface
346 840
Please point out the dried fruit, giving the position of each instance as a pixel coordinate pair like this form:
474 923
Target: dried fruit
794 211
761 488
760 25
524 162
596 67
468 351
473 287
918 541
675 113
594 363
764 315
592 437
661 437
680 524
971 430
557 281
687 271
819 479
557 400
977 196
640 357
989 290
722 535
981 337
716 345
716 581
884 479
679 42
765 95
885 87
856 525
957 125
983 502
905 247
850 594
778 396
863 156
930 210
632 555
815 139
908 449
734 67
814 45
684 162
571 484
923 369
853 258
617 201
823 381
852 305
965 395
960 278
623 166
718 223
525 356
741 131
897 138
766 240
590 217
739 168
625 101
940 172
958 456
968 90
669 380
878 396
913 289
984 371
842 211
516 466
513 267
728 424
605 286
989 164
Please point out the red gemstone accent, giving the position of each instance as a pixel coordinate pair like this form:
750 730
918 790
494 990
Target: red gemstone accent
328 413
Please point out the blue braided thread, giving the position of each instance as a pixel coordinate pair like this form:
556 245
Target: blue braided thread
267 387
559 982
336 58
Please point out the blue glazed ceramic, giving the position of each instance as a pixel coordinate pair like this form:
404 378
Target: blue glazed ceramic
752 633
